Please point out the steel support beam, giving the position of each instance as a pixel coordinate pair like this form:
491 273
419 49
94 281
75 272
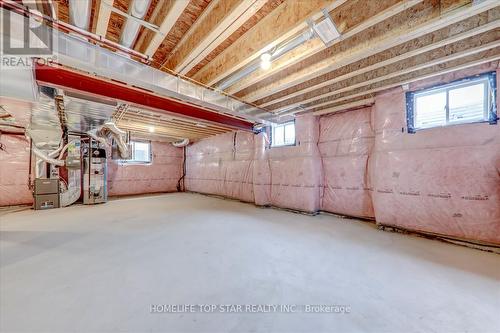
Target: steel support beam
60 77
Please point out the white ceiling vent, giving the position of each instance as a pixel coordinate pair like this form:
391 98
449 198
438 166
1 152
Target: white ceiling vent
326 29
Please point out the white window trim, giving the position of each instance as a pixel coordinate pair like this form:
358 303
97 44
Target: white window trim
132 161
484 79
272 145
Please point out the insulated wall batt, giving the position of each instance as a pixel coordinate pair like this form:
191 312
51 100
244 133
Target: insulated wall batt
345 143
161 175
441 180
296 170
14 170
261 171
222 165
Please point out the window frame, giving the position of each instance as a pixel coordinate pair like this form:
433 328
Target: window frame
490 100
271 143
132 160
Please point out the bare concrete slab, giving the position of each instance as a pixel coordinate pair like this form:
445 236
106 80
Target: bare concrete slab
102 268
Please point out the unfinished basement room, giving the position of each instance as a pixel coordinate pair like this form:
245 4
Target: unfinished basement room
249 166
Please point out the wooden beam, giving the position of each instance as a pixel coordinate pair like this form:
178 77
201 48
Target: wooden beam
218 22
182 126
103 15
413 23
175 11
285 21
157 16
363 102
441 55
144 128
429 42
350 19
452 66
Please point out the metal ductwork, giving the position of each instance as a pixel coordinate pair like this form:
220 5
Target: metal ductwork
138 10
79 13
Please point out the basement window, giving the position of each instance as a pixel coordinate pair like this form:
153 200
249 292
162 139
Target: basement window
283 134
471 100
141 152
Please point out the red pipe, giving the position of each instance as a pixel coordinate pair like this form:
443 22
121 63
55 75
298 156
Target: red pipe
59 77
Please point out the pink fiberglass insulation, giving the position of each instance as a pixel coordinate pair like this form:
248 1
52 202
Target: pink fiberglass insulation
222 165
14 170
296 170
161 175
261 171
440 180
345 142
239 165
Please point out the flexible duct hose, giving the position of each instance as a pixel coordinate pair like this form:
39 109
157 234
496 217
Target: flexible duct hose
181 143
117 134
109 130
46 158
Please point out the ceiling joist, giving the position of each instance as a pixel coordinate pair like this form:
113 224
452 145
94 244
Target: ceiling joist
429 72
218 22
282 23
103 15
451 34
350 18
176 9
437 56
415 22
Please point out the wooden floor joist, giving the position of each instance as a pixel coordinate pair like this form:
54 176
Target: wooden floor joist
441 38
283 22
452 66
431 58
218 22
347 106
175 11
413 23
351 18
382 45
104 14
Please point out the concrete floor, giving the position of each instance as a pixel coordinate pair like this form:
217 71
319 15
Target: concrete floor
99 269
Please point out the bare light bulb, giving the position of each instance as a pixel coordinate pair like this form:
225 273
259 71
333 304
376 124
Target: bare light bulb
265 61
265 57
265 65
151 129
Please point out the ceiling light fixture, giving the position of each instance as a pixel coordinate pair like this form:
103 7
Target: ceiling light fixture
151 129
326 29
265 61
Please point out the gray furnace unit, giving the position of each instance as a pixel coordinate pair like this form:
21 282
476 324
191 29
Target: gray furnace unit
46 193
94 176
